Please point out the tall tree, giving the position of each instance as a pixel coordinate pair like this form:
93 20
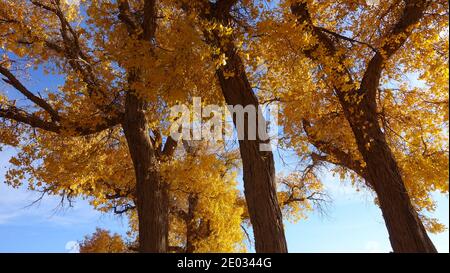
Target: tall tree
342 66
337 68
216 20
407 233
101 85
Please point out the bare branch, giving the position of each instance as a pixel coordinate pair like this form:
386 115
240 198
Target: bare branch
123 209
347 38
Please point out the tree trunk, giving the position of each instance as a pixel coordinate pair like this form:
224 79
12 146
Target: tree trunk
151 191
190 223
258 166
406 231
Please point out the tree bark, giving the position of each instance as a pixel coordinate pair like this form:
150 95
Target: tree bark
406 231
190 223
151 191
258 166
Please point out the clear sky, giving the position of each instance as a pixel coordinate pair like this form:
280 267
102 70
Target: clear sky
352 222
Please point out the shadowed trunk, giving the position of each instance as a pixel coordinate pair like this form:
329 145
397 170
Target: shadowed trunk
190 223
406 231
258 166
151 191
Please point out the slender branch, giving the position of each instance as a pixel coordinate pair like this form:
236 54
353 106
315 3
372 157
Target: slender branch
347 38
13 81
77 128
123 209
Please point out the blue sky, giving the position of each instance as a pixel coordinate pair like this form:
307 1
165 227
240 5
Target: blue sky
352 222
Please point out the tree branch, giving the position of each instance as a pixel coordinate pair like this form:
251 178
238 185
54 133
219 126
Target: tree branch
13 81
347 38
344 159
126 17
412 13
123 209
19 115
169 147
300 10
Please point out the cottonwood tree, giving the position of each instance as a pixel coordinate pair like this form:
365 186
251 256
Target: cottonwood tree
339 75
342 78
113 71
116 64
216 21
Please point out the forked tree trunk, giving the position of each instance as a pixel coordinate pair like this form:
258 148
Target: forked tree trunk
151 191
406 231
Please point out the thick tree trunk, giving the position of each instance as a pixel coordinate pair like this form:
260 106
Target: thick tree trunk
406 231
151 191
258 166
260 194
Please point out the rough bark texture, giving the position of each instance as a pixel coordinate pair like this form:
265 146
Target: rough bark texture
258 166
406 231
151 191
152 196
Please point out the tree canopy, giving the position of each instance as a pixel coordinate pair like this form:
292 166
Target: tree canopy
362 90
